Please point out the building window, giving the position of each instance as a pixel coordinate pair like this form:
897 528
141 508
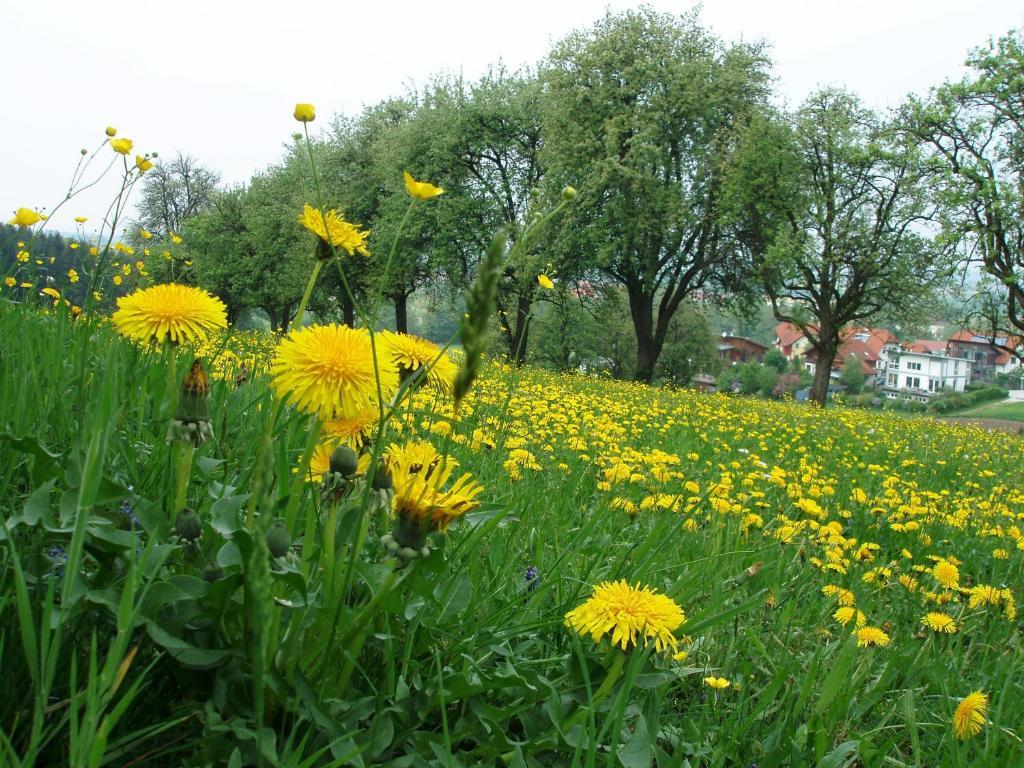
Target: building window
914 382
913 366
892 380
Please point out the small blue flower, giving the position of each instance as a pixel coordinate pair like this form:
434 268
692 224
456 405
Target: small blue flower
532 578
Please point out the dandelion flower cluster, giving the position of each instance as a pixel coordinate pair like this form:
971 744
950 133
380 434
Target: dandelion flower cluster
628 614
331 371
173 312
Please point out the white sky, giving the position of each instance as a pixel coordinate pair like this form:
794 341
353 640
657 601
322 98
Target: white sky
218 79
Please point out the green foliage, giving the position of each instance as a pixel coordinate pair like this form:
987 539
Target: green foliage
852 375
775 359
636 111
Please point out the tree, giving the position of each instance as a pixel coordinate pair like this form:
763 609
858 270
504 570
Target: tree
853 375
636 112
172 192
495 148
773 358
832 211
975 130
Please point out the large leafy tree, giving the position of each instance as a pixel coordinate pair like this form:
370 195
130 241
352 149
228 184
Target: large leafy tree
974 129
832 207
637 112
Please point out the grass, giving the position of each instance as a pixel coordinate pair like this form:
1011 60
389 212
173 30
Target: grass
1003 409
126 642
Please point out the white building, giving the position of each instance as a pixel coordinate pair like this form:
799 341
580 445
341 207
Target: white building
919 375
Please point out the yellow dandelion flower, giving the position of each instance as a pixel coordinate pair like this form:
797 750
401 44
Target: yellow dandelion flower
410 353
25 217
352 431
628 614
173 312
328 370
421 190
718 683
868 636
969 717
939 622
331 227
846 614
947 574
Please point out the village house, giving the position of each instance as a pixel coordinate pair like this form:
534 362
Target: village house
873 347
738 349
989 354
791 341
921 371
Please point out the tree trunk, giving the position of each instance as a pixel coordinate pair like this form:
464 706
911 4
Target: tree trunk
286 317
401 312
522 335
273 317
822 374
641 309
348 310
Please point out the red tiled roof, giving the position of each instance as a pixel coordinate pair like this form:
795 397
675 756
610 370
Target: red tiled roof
927 346
968 336
788 334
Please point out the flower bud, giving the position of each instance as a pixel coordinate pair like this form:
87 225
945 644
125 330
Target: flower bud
382 477
344 461
569 193
111 131
85 151
305 113
278 541
187 526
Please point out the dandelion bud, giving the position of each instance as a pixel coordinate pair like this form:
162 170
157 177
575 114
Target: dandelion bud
278 541
187 526
568 193
382 478
212 572
191 423
305 113
111 131
344 461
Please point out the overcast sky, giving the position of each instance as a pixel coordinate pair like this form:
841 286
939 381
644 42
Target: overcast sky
218 79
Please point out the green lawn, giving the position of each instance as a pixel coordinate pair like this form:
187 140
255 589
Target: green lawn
1011 410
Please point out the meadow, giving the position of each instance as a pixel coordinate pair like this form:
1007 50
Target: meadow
843 584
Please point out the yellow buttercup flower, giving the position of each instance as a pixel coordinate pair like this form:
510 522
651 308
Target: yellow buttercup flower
73 246
81 219
121 146
143 163
328 370
176 239
718 683
545 282
145 234
10 282
94 251
421 190
169 312
72 275
117 280
25 217
331 227
628 614
305 113
969 717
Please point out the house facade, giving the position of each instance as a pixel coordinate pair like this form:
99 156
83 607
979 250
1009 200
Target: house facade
989 355
737 349
791 341
920 375
873 347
